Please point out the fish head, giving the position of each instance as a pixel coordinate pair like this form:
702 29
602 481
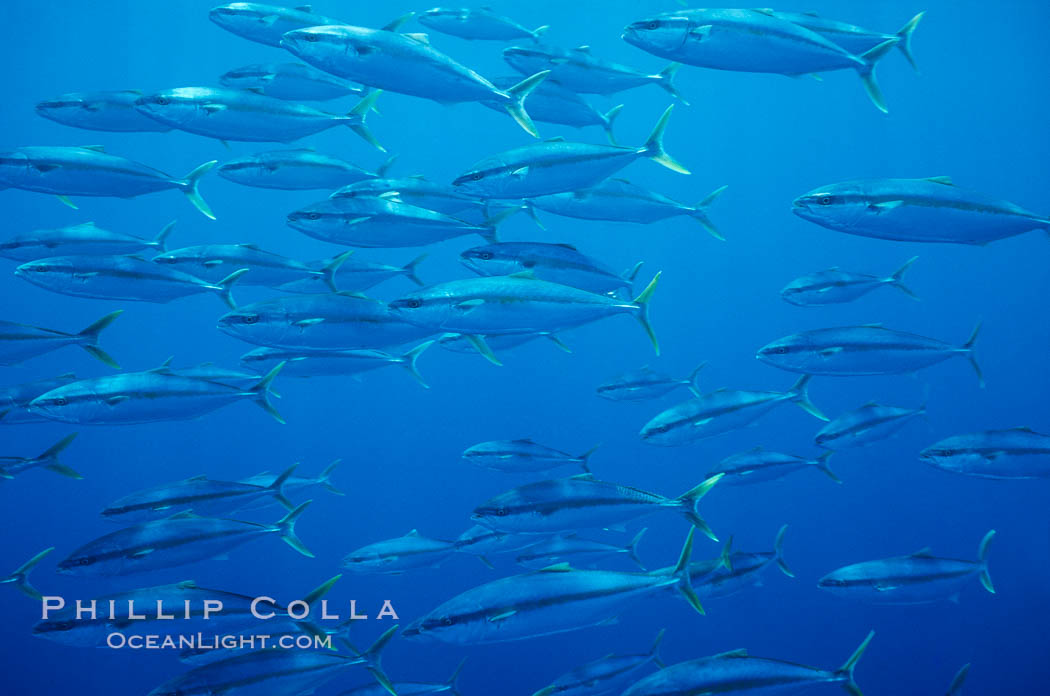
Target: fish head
843 580
16 168
243 17
245 170
660 35
173 106
837 206
48 272
497 513
330 47
64 107
262 322
426 307
73 403
441 17
250 76
527 60
81 562
792 353
660 430
366 560
489 178
328 218
449 623
60 630
491 260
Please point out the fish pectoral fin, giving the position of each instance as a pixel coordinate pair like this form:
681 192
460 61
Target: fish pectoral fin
505 615
556 568
142 553
924 552
702 421
304 323
211 263
354 221
945 180
468 305
885 587
268 20
418 38
885 207
699 33
45 168
213 108
828 352
520 173
85 275
114 400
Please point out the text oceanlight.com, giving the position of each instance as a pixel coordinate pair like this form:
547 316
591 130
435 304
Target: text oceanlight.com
199 641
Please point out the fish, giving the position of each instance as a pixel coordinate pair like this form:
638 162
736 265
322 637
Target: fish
334 363
737 672
582 501
449 686
406 64
758 465
200 494
357 276
112 111
85 239
606 675
395 556
618 200
174 541
185 600
1010 453
122 278
91 171
147 397
14 400
578 70
48 459
646 383
465 343
333 321
920 578
293 483
720 412
285 672
557 263
932 210
852 38
737 570
212 263
230 114
289 81
835 286
556 166
377 222
524 455
865 425
296 170
552 103
481 541
417 191
265 24
20 577
20 342
545 602
869 349
480 24
572 547
515 304
753 41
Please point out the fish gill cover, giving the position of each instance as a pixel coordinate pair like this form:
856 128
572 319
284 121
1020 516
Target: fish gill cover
595 352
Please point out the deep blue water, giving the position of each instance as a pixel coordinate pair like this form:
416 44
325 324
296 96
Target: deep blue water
977 112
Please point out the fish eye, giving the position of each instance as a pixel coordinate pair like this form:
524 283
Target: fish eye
39 269
476 176
312 38
59 401
652 25
413 303
485 255
501 512
63 625
825 200
249 318
86 560
780 350
447 620
313 216
163 101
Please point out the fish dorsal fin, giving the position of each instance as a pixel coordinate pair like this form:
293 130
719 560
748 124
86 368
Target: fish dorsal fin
305 8
555 139
94 148
756 448
188 515
567 246
419 38
873 325
412 533
201 477
557 568
524 441
253 247
583 477
924 552
946 180
523 275
763 10
583 49
834 268
870 404
739 652
1019 429
187 585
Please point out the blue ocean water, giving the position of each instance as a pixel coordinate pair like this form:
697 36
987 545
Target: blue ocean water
976 112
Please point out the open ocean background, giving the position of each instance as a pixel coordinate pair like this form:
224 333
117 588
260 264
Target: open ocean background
977 113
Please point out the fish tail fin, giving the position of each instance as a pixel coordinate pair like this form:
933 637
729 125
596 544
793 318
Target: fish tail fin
409 269
654 146
665 78
778 551
324 478
50 455
982 558
409 361
846 670
822 464
330 267
373 658
632 548
681 572
225 287
356 119
968 348
89 336
286 526
538 32
699 213
654 649
188 186
904 40
694 379
479 345
453 682
895 278
585 458
278 487
867 72
641 303
957 681
632 273
800 394
607 122
689 502
20 578
492 223
515 106
384 168
162 236
261 392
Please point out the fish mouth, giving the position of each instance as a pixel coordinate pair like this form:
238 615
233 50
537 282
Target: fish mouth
411 632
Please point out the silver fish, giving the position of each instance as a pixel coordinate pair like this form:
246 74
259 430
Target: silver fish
19 342
265 24
759 465
335 362
737 570
480 24
523 455
835 286
646 383
48 459
577 69
14 400
214 262
865 425
289 81
112 111
395 556
854 39
558 263
571 548
916 579
466 343
450 686
552 103
293 483
606 675
1013 453
296 170
85 239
